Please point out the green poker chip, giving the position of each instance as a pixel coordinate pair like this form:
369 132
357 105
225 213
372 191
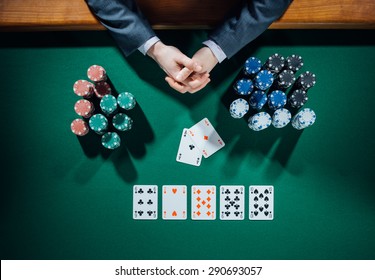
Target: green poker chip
108 104
111 140
122 122
98 123
126 100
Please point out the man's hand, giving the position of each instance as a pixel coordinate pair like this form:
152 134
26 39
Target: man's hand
203 57
179 68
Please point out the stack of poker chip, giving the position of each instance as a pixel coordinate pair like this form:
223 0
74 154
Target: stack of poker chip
79 127
306 80
84 108
281 118
298 98
277 99
122 122
126 100
98 123
243 86
275 63
263 80
83 88
285 79
294 62
303 119
108 104
96 73
259 121
238 108
258 99
252 66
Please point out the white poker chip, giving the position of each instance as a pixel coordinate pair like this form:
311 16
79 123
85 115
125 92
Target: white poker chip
260 121
281 118
238 108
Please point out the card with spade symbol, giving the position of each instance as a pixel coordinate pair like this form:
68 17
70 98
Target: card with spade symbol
174 202
187 151
261 203
232 206
145 202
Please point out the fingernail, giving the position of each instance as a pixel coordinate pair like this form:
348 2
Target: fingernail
198 67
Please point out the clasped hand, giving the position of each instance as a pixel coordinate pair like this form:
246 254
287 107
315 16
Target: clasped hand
184 74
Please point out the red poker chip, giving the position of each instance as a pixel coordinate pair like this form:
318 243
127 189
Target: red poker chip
83 88
102 88
96 73
84 108
79 127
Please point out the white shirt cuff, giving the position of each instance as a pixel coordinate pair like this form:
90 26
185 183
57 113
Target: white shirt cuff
218 52
148 44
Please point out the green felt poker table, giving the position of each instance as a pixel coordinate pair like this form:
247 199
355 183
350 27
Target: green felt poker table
66 197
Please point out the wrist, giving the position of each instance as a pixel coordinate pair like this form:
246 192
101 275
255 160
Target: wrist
155 49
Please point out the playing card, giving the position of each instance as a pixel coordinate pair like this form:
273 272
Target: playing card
174 202
232 206
187 151
206 138
145 202
203 203
261 203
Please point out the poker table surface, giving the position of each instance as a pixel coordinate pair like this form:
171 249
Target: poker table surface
66 197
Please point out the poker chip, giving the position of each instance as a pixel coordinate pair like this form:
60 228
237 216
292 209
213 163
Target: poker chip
238 108
294 62
102 88
285 79
277 99
122 122
303 119
263 80
259 121
126 100
243 86
252 66
111 140
108 104
96 73
83 88
306 80
79 127
275 63
298 98
98 123
258 99
281 117
84 108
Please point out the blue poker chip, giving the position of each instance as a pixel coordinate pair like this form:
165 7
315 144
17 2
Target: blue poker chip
276 100
243 86
263 80
258 99
252 66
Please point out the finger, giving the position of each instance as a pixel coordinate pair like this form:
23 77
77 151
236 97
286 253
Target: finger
196 81
200 87
183 74
176 85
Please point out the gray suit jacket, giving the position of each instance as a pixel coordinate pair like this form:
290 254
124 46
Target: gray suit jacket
130 29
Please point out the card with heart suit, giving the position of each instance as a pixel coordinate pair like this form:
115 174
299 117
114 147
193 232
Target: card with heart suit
232 206
145 202
206 138
174 202
261 203
187 151
203 202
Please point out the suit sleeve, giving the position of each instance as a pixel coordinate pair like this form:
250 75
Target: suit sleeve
252 20
124 21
